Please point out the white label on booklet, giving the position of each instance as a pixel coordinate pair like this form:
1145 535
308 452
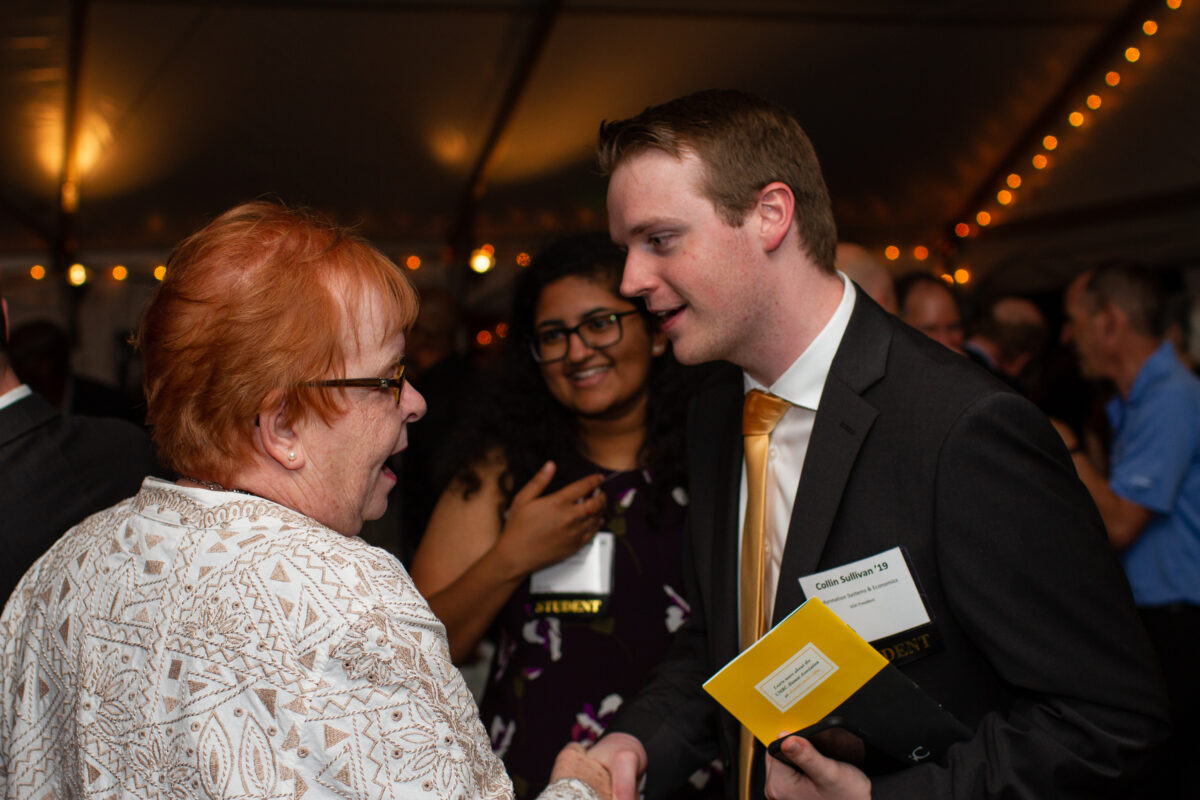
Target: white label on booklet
875 596
589 571
796 677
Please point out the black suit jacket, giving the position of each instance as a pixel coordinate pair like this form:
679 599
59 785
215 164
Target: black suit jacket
54 472
1043 654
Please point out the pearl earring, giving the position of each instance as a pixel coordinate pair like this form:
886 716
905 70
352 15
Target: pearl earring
291 455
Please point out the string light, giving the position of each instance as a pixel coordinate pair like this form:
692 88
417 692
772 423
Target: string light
502 330
413 262
962 275
119 273
160 272
37 272
523 259
891 252
77 275
484 338
1077 118
920 252
482 260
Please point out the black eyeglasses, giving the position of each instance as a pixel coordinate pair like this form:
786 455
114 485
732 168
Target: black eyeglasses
395 383
599 331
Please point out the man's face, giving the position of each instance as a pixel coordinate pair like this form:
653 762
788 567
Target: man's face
1082 328
931 310
693 269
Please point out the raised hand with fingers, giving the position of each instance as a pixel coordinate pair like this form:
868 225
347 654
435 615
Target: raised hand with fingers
475 554
543 529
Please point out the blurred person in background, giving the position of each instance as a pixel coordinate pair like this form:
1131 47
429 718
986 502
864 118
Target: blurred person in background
55 469
1008 339
1150 496
228 634
860 266
581 459
41 354
928 304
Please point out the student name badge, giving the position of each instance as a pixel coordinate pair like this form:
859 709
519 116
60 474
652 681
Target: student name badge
879 598
578 586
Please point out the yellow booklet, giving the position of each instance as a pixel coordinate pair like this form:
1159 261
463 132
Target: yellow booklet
797 674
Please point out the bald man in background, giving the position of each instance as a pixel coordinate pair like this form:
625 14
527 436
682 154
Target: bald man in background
930 306
869 273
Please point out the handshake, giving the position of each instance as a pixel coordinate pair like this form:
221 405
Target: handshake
573 761
611 768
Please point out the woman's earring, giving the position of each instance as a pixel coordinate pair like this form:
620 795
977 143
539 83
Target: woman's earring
291 455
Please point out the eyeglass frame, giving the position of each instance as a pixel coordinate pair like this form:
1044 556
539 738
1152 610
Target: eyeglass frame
395 383
615 316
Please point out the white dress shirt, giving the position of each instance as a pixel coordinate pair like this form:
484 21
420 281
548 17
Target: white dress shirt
13 395
801 385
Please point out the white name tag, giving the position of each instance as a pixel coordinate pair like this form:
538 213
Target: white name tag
589 571
875 596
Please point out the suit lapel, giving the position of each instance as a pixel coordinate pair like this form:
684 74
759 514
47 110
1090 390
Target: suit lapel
843 420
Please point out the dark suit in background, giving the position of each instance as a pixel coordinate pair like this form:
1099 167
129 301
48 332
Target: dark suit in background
1042 652
54 472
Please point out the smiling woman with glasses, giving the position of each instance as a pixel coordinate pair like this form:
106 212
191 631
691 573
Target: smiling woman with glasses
551 342
228 634
578 455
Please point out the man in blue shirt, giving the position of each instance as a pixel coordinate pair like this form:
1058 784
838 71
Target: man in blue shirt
1150 501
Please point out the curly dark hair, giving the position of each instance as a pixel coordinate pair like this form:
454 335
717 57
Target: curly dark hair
523 420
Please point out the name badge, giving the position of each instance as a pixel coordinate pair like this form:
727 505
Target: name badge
579 585
879 599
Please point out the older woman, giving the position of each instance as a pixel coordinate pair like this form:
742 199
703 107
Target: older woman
227 635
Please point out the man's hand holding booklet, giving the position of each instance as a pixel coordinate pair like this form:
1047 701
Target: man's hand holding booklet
812 672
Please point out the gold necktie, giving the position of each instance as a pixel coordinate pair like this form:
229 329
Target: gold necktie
760 413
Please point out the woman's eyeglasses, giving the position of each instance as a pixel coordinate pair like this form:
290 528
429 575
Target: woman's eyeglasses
395 383
599 331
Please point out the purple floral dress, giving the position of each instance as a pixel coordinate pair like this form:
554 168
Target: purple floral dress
557 679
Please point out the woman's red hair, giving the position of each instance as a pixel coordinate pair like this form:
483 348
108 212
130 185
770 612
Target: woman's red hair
252 306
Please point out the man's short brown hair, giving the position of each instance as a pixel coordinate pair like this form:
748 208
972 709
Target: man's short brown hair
744 143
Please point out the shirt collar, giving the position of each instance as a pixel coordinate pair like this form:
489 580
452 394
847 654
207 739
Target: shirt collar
1159 364
13 395
801 384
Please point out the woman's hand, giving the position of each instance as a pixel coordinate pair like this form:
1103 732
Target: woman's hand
544 529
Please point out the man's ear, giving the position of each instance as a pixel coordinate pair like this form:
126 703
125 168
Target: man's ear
1112 319
775 209
278 434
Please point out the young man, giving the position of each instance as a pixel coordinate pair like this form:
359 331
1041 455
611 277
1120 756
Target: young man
889 440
